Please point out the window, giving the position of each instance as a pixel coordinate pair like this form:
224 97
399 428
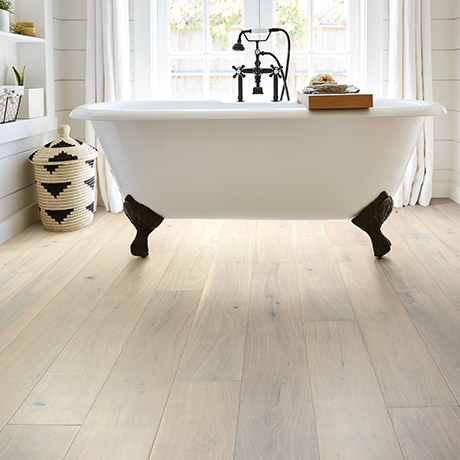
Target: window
199 58
190 51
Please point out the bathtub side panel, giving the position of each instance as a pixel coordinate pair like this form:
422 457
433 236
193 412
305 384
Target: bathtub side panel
259 169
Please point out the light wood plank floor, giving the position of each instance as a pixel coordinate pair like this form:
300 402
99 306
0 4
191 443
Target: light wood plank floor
233 340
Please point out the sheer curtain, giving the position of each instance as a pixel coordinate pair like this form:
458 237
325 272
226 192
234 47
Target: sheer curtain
107 78
410 77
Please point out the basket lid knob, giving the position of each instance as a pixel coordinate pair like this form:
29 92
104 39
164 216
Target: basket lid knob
64 131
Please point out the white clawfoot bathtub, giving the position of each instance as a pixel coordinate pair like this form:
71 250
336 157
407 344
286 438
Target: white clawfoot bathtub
212 159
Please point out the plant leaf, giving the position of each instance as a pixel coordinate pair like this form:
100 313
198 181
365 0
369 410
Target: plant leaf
19 77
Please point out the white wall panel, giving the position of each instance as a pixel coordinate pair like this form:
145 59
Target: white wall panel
443 156
443 66
72 9
21 199
16 172
447 93
73 35
443 126
442 34
456 157
442 9
456 33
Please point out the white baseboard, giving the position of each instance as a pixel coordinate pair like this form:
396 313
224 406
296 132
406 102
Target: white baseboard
441 189
18 222
454 193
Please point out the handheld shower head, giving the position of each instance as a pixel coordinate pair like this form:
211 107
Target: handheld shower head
238 46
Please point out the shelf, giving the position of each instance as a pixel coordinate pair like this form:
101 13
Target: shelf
21 129
20 38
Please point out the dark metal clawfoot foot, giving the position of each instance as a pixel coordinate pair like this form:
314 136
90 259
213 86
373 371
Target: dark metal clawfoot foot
371 218
145 220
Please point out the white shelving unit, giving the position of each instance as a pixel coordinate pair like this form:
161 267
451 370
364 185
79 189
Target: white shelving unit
20 38
18 201
37 55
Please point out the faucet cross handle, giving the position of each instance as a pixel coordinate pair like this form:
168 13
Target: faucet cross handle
239 71
276 71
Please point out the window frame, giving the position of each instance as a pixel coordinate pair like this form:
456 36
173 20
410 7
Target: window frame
366 64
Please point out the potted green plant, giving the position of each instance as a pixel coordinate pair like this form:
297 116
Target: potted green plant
19 76
6 7
32 99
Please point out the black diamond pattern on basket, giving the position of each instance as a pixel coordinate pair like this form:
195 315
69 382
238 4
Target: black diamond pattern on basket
56 189
51 168
63 157
59 215
62 144
90 207
90 182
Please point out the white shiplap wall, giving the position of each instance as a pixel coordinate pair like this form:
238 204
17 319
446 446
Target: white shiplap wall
455 175
446 90
70 59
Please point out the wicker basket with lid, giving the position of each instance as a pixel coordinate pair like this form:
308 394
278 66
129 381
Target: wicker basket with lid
65 182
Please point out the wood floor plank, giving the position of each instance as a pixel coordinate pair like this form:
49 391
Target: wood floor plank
215 346
68 390
276 417
39 442
24 361
405 221
22 307
11 281
430 433
405 368
125 418
404 270
440 261
274 241
169 235
448 207
351 417
323 296
22 242
239 229
51 246
190 265
344 233
199 422
82 293
438 322
444 227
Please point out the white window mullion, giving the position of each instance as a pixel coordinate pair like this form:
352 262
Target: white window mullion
163 60
311 31
354 27
207 48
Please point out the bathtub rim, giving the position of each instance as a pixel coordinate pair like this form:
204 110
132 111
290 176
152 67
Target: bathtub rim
215 109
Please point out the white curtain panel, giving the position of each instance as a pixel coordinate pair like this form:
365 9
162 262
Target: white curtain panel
107 78
410 77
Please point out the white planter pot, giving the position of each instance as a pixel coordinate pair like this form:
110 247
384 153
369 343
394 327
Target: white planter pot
4 21
31 103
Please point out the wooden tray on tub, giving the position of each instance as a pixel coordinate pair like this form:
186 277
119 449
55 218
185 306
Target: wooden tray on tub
335 101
